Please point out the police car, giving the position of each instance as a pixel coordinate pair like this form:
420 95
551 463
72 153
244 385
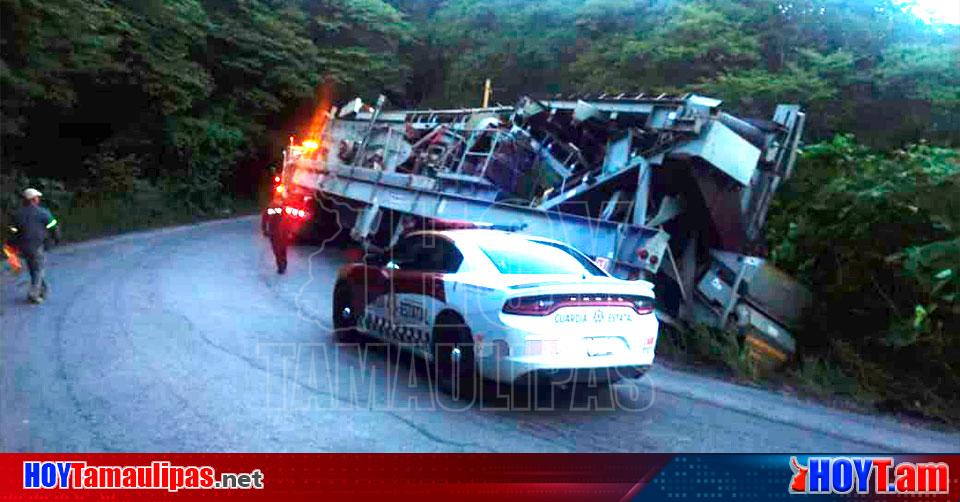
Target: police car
499 305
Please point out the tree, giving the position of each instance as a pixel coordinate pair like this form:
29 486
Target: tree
189 91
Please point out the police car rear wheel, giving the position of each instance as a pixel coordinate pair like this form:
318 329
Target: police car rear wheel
455 362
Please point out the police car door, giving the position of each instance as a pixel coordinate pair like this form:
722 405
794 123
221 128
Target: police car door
417 293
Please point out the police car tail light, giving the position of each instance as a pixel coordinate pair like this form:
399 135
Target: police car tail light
529 305
643 305
547 304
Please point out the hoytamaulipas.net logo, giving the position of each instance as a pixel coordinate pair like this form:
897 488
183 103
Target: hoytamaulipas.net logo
868 475
159 475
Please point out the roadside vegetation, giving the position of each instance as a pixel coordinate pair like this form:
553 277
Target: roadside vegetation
875 237
133 114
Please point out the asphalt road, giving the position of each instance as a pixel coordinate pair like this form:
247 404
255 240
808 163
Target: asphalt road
185 339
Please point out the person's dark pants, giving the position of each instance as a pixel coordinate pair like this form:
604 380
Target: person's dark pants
36 259
278 242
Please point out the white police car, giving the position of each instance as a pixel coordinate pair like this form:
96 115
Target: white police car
500 305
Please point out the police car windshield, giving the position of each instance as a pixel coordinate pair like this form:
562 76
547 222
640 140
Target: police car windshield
516 256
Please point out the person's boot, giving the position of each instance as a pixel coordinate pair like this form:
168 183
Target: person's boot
281 268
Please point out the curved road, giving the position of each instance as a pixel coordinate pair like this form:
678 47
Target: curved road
185 339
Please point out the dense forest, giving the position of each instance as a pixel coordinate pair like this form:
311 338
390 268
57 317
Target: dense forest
140 112
861 66
195 94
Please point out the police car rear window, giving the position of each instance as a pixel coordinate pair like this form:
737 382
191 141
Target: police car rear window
537 257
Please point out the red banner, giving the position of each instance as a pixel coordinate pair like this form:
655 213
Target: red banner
577 477
500 477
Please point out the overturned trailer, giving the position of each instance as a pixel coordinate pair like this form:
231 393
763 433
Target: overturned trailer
666 188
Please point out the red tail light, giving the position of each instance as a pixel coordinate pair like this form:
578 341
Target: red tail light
295 212
542 305
530 305
643 305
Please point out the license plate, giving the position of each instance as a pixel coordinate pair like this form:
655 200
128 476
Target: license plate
603 346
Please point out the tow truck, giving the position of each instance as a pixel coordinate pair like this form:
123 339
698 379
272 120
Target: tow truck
669 189
295 201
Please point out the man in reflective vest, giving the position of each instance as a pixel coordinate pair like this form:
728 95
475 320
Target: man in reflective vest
278 230
31 225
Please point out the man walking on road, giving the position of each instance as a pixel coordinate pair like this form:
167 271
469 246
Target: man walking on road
277 228
32 222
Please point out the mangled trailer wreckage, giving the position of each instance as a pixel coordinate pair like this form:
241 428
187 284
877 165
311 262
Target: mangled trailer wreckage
665 188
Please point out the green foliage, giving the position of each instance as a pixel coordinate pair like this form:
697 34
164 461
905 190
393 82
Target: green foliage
150 206
520 44
600 17
44 44
185 96
922 72
757 89
868 66
877 238
113 175
709 346
157 41
703 39
206 148
814 79
822 377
